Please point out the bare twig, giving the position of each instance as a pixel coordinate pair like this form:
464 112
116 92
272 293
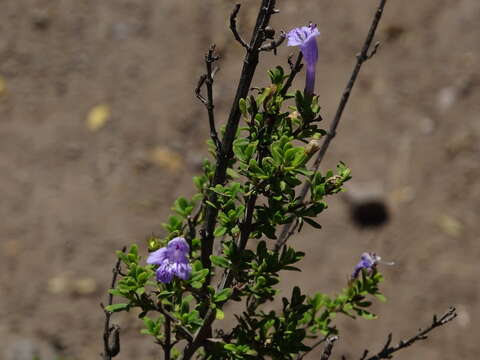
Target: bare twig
291 231
314 346
327 352
207 80
111 333
198 89
362 57
387 350
233 26
274 44
294 70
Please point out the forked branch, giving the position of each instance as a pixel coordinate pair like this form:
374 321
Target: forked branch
388 350
234 28
111 333
207 80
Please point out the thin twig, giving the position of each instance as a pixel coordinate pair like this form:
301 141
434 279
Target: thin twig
314 346
274 44
233 26
111 333
327 352
294 70
362 57
387 350
198 89
207 80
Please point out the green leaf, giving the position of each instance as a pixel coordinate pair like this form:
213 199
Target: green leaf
211 204
196 284
116 307
220 231
219 314
223 295
232 173
367 315
220 261
242 105
312 223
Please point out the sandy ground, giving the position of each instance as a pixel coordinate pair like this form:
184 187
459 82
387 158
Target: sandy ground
72 192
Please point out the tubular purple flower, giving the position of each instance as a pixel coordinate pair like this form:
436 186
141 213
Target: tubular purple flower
305 37
368 262
172 260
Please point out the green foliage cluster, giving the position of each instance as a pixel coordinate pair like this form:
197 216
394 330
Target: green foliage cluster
261 193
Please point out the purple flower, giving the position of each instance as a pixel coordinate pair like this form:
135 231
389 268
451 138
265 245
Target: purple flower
305 37
368 262
172 260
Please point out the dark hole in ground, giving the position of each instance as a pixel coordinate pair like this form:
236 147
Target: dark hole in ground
372 213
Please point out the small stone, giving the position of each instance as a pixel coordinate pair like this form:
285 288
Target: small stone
58 284
427 126
98 117
460 143
121 31
84 286
446 98
450 225
464 317
166 158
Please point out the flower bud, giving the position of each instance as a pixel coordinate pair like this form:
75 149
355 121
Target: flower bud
312 147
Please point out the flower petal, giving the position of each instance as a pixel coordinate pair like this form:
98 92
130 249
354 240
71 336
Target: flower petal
310 51
179 244
165 272
157 257
182 270
299 36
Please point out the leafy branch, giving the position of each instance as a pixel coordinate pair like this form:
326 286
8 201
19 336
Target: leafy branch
362 57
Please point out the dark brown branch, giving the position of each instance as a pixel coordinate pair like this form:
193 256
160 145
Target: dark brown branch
266 10
233 26
374 51
249 66
294 70
111 333
207 80
187 334
274 44
198 89
167 345
387 350
362 57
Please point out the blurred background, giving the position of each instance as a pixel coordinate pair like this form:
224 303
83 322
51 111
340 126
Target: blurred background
100 131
